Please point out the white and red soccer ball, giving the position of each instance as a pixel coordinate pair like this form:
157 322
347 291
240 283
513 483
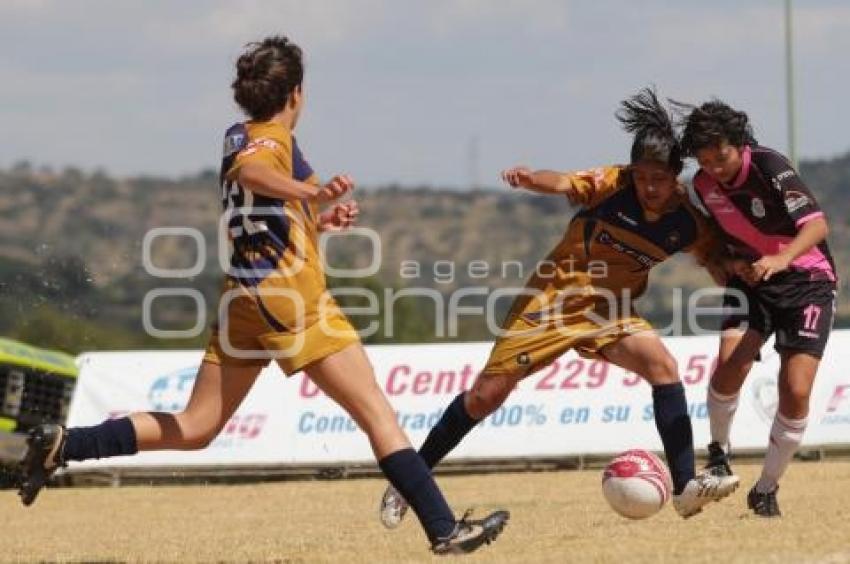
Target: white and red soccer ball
636 484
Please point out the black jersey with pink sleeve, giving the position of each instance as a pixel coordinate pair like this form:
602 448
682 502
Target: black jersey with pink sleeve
763 209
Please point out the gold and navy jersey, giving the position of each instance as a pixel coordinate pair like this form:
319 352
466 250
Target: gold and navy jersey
267 234
617 242
275 302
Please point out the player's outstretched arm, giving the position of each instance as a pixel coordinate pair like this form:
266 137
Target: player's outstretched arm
541 181
264 180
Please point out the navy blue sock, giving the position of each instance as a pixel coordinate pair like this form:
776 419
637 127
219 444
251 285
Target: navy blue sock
113 437
412 478
674 426
448 432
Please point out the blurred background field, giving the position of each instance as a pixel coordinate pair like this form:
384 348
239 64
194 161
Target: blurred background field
71 247
134 140
556 517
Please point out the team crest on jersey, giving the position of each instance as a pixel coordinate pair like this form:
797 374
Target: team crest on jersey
232 143
673 239
757 207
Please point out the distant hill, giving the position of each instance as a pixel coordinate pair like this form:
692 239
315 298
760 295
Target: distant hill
71 247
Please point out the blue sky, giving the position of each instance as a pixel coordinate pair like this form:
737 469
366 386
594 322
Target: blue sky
405 90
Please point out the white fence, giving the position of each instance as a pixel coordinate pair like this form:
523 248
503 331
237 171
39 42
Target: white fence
574 407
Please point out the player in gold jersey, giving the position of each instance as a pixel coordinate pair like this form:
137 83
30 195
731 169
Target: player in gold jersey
275 305
630 219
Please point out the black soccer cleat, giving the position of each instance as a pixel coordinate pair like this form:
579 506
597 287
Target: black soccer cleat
469 534
43 458
764 504
718 461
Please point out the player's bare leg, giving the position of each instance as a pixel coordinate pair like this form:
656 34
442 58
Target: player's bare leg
216 394
489 392
738 350
644 354
348 378
796 379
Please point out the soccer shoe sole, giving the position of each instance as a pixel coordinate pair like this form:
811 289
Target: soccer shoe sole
491 527
392 509
41 447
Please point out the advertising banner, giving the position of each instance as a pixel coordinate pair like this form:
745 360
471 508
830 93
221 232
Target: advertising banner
573 407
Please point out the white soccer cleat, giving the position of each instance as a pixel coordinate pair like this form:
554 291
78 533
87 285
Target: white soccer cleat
393 508
701 490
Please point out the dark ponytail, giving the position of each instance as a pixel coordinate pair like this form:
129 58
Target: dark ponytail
655 138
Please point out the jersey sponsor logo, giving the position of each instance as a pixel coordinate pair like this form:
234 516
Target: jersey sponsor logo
257 144
627 219
796 200
777 180
757 207
646 261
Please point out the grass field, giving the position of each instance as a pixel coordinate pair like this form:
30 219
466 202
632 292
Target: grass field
556 517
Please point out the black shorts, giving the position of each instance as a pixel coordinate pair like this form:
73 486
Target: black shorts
800 312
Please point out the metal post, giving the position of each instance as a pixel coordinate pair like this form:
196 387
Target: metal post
473 156
789 86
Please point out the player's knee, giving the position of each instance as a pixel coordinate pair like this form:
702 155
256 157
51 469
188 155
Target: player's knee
663 370
797 393
197 442
197 434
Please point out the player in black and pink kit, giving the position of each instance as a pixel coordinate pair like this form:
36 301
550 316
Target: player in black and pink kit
782 280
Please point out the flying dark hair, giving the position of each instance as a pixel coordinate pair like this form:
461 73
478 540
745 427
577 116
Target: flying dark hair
266 75
655 138
712 123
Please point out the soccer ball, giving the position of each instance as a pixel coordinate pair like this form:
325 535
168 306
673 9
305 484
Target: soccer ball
636 484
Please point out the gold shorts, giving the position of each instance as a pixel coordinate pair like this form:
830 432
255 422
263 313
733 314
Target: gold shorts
584 322
256 327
